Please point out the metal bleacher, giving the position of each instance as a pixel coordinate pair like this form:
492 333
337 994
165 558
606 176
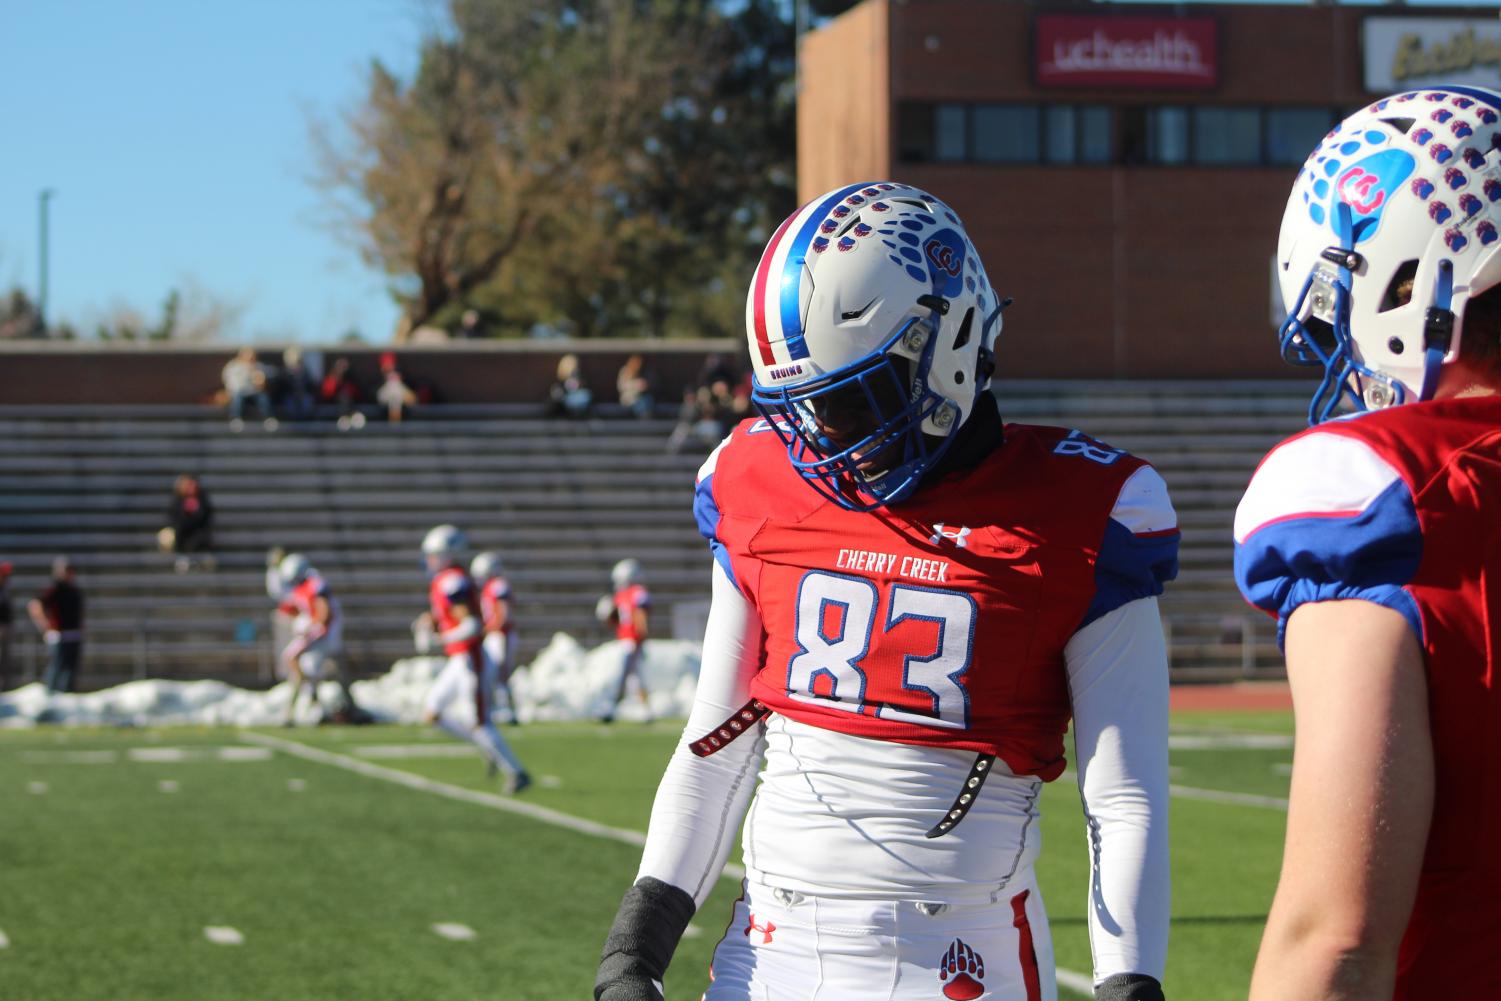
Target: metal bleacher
562 500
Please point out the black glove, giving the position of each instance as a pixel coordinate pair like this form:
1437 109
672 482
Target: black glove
1129 987
647 927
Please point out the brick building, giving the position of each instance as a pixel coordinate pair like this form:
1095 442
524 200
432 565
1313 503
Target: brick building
1122 168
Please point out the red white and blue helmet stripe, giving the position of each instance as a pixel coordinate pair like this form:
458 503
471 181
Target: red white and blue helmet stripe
781 284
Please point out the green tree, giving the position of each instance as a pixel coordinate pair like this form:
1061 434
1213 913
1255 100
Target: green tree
600 166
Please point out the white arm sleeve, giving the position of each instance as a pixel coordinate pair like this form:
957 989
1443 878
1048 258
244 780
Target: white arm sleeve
1117 669
701 801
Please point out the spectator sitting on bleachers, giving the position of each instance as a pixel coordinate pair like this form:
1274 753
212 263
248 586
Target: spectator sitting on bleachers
245 382
6 615
394 394
569 396
296 387
189 530
633 384
340 390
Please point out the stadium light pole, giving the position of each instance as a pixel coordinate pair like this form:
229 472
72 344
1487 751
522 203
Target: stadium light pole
43 198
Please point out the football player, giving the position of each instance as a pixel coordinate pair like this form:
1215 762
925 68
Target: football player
459 700
500 625
1371 539
630 612
317 631
910 600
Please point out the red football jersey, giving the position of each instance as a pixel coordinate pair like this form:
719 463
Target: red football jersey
941 621
495 591
302 599
451 588
627 600
1420 537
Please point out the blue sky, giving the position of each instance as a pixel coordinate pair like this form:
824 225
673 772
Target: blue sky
175 135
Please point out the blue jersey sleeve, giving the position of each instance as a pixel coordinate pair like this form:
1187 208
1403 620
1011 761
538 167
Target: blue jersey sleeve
1325 519
1139 551
706 511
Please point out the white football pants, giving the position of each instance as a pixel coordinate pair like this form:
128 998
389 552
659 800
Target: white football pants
784 946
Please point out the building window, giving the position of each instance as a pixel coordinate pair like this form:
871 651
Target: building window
1096 144
1061 133
1291 133
949 133
1227 135
1162 135
1006 133
1167 135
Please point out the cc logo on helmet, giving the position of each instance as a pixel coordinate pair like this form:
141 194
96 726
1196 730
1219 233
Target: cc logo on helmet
1356 190
945 257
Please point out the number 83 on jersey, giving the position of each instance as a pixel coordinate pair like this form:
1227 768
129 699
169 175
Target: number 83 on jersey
846 630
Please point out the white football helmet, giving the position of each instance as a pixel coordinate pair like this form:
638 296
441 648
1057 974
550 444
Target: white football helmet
625 573
485 566
444 546
293 569
872 329
1405 190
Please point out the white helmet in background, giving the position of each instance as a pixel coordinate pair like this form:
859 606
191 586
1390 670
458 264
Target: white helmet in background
625 573
872 328
1404 191
293 569
445 546
485 566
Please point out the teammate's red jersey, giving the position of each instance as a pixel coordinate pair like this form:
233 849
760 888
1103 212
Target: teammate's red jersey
492 595
941 621
627 600
302 602
451 588
1400 507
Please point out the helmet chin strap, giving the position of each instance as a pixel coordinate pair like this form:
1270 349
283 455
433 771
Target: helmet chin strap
1438 329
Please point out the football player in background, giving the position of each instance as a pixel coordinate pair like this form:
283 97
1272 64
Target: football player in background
460 699
1372 539
317 632
630 613
910 599
500 625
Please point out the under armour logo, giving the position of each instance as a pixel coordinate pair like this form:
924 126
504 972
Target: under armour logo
765 929
954 535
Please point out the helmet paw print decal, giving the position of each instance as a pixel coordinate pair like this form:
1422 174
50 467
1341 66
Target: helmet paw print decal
1365 164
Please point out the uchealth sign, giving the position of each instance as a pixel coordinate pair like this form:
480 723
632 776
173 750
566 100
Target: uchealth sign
1406 52
1154 53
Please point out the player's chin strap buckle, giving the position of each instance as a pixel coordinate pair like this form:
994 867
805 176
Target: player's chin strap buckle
966 797
746 717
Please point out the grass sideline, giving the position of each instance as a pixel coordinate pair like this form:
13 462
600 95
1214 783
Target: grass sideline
335 880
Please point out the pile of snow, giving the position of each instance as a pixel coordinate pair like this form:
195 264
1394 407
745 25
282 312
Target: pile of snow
564 682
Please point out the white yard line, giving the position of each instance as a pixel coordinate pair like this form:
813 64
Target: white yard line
4 942
1068 978
71 757
223 935
455 932
1229 742
1076 982
494 801
1233 798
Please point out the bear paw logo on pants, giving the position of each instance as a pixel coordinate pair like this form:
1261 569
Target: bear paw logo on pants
961 969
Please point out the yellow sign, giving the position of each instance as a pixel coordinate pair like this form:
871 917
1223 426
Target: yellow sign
1464 50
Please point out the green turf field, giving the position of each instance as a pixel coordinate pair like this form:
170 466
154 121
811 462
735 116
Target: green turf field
118 849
